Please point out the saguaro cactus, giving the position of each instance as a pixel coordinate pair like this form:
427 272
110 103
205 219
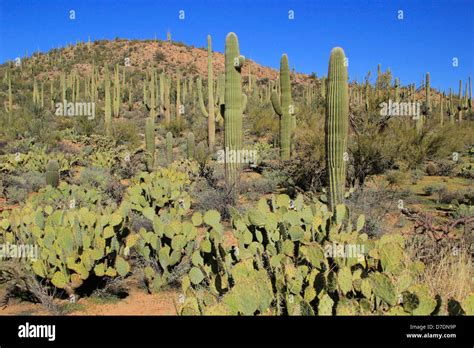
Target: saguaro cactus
178 99
284 109
108 107
427 94
190 144
460 106
10 96
336 127
152 97
470 94
235 103
450 107
150 143
211 126
52 173
165 97
441 109
169 147
117 95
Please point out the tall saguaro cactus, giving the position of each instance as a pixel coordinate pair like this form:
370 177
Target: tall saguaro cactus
460 106
190 145
337 125
284 109
235 103
10 96
150 143
211 126
178 99
427 94
117 95
169 148
108 107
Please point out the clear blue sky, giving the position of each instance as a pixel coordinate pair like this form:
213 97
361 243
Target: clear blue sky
430 35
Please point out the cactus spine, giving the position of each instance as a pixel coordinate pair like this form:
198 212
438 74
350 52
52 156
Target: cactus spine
52 173
169 147
336 127
235 103
284 109
150 143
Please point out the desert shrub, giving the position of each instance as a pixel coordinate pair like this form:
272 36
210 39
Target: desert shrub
262 121
416 175
206 197
467 171
16 195
255 188
276 178
126 133
456 197
306 173
159 57
395 177
95 177
445 167
102 180
431 169
432 189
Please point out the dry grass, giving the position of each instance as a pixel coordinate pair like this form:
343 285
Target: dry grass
450 274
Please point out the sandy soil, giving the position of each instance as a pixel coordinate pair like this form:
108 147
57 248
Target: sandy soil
136 303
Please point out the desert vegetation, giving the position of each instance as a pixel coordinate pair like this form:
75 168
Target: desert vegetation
231 188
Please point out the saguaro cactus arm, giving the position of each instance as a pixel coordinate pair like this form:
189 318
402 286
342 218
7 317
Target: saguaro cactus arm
202 107
244 102
275 99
